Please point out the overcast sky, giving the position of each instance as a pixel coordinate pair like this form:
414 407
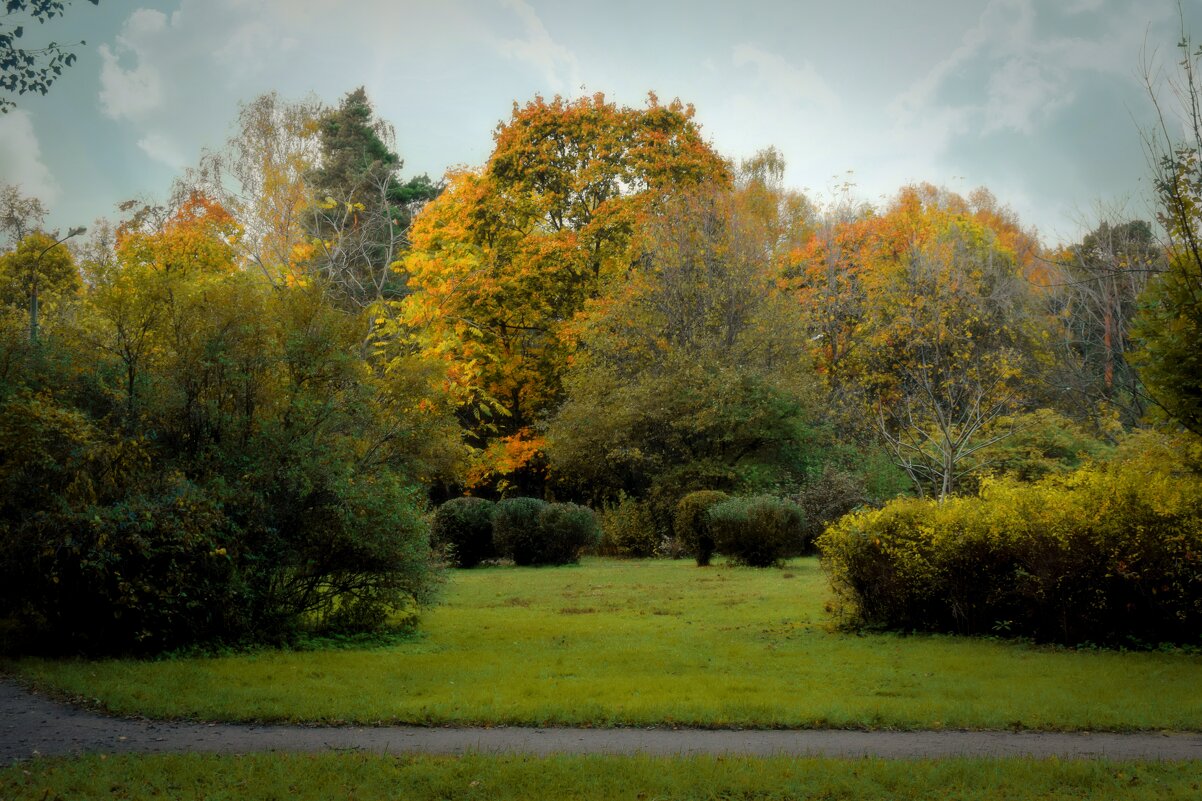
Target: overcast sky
1041 101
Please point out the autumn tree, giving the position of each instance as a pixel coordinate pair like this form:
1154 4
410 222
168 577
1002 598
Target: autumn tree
505 260
924 323
223 461
260 178
693 375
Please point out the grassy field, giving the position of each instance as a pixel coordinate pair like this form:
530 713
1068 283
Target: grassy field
653 643
363 777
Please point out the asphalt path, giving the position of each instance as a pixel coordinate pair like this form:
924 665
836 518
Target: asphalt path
32 725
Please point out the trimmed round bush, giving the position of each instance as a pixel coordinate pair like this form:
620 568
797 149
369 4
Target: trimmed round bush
533 532
759 531
691 524
565 530
628 529
515 529
464 527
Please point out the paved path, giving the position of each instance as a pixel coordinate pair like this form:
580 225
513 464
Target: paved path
31 725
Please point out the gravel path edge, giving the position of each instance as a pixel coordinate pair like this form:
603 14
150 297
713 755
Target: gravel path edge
32 726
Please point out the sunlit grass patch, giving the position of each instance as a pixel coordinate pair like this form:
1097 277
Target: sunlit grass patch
654 642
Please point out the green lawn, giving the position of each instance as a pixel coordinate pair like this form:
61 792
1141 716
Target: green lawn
654 642
363 777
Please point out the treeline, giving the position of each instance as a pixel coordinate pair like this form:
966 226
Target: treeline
223 419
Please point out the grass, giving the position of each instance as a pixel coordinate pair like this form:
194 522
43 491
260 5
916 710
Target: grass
653 643
364 777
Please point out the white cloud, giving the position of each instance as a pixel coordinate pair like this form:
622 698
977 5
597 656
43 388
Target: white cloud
163 149
788 83
132 92
21 157
557 63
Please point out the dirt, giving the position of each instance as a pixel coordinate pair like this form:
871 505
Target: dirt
32 725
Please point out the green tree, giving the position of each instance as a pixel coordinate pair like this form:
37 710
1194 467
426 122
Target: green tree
361 210
1169 326
694 376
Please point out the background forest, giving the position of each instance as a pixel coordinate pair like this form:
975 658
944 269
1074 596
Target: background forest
226 417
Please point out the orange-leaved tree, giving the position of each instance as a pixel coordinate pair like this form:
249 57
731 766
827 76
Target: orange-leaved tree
503 262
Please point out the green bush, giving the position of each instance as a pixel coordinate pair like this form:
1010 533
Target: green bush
628 529
566 529
464 527
691 523
515 529
759 531
533 532
1106 555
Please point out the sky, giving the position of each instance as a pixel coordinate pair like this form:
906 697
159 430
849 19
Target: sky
1041 101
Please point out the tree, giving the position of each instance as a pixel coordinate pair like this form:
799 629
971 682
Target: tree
40 268
260 177
361 212
1169 326
693 375
940 331
505 260
35 69
1095 291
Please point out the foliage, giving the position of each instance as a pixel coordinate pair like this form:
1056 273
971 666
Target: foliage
694 375
1095 296
507 257
215 460
464 526
628 529
533 532
759 531
691 524
361 212
1169 327
923 322
1043 443
30 69
828 496
516 529
1108 554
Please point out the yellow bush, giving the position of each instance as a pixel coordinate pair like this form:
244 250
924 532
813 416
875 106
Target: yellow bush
1107 554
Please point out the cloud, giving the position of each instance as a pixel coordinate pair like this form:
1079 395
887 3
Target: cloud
21 157
539 50
790 84
164 149
131 93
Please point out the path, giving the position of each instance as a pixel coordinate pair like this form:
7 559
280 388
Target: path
31 725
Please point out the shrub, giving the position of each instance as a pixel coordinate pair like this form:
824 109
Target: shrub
1108 555
566 529
691 523
533 532
515 529
464 527
759 531
827 497
628 529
